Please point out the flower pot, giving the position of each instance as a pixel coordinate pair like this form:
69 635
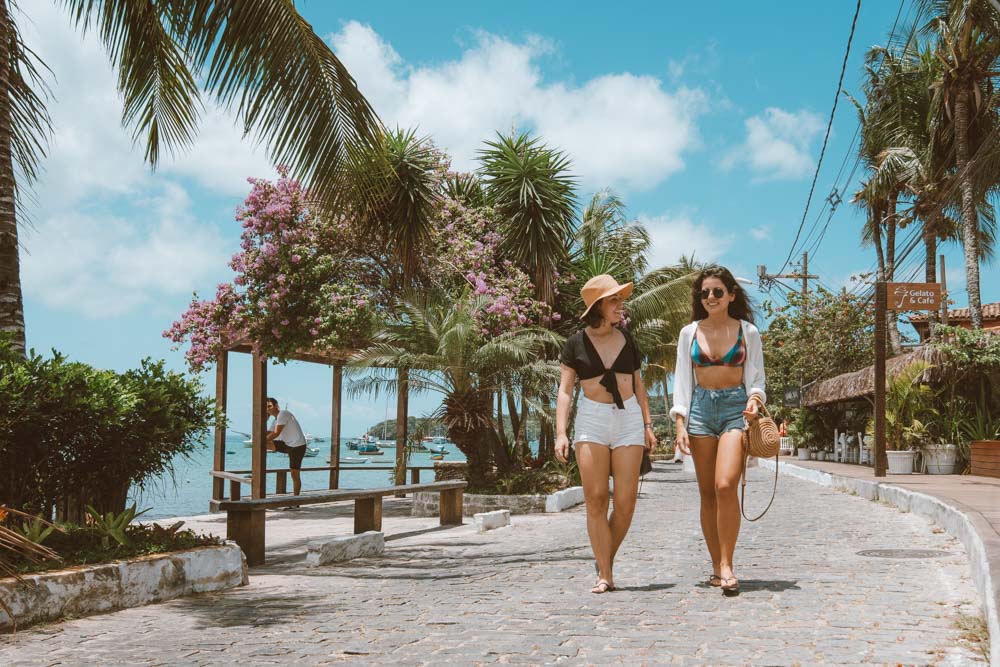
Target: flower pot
985 458
821 456
900 463
940 459
803 454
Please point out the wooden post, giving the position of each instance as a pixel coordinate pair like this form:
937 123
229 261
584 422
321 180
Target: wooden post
234 490
247 530
338 386
450 503
258 484
415 476
367 514
880 334
402 394
944 293
221 397
281 483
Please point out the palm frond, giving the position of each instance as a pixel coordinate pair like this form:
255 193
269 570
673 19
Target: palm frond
161 98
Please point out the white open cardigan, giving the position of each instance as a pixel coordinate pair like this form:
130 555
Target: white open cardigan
753 368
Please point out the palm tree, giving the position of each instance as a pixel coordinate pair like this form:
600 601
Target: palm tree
968 46
534 193
439 340
397 188
258 57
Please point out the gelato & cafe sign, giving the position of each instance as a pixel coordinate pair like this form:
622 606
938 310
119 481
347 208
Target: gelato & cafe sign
913 296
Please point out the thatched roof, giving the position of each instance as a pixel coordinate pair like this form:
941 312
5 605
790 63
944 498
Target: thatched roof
858 384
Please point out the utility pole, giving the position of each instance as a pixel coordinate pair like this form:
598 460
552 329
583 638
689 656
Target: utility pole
766 279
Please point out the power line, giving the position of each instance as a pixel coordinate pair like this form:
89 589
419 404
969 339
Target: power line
826 137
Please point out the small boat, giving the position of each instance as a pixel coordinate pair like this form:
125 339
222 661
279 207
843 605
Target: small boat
437 457
385 443
311 452
437 449
353 461
370 449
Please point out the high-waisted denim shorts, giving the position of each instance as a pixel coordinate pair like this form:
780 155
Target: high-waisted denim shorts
715 411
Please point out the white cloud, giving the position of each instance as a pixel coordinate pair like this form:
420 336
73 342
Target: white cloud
91 152
760 233
619 129
676 235
103 265
777 144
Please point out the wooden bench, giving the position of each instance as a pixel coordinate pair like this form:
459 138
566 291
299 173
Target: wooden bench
245 518
237 477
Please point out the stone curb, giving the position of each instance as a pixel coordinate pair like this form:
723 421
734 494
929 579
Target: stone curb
969 530
345 547
491 520
92 589
563 500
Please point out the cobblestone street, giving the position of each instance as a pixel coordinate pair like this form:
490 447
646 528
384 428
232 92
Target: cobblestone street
521 595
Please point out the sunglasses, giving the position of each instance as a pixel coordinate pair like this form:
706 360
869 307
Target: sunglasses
717 292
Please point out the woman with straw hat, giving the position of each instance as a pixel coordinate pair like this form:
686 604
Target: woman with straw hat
612 422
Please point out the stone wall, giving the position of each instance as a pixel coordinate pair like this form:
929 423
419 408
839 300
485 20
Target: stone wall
446 471
92 589
426 504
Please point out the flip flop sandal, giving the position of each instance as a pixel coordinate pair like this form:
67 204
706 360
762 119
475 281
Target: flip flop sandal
714 580
602 587
730 588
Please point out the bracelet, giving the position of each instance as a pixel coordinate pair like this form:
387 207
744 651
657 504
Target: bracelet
648 424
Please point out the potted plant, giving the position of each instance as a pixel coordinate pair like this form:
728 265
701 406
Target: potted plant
803 433
941 457
983 432
907 406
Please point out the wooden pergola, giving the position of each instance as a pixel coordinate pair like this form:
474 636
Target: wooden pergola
258 472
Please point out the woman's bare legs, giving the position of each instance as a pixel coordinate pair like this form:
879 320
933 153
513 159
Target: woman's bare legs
728 467
625 464
703 451
594 461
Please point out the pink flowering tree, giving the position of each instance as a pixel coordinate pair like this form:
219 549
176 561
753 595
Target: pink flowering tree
297 285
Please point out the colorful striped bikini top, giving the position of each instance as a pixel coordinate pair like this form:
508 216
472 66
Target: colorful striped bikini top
735 357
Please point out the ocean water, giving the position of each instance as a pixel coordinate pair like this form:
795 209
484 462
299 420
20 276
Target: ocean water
188 491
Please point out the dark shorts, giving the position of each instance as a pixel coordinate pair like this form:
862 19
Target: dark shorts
295 454
716 411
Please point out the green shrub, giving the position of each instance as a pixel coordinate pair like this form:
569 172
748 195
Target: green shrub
73 433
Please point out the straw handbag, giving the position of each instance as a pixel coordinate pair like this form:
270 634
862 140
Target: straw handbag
760 439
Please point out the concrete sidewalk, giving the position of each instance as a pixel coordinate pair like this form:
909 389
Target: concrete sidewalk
967 506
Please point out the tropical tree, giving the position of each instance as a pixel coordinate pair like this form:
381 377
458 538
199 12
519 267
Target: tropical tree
968 47
532 190
397 184
260 58
439 338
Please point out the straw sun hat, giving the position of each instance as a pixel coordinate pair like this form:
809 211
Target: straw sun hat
600 287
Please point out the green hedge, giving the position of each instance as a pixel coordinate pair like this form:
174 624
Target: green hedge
71 434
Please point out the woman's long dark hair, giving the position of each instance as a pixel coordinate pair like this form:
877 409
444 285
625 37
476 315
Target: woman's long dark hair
741 308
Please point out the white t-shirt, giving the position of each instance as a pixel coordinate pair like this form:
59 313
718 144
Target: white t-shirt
291 435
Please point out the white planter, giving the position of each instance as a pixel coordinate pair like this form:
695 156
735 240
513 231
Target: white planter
940 459
821 456
803 454
900 463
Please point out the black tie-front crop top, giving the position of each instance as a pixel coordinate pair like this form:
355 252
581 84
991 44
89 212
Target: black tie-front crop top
580 354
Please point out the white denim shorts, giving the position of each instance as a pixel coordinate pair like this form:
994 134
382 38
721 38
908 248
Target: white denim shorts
605 424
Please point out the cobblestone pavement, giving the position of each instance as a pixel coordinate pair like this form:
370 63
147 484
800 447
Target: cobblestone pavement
521 596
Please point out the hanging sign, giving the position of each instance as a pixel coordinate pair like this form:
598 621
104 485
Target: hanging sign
913 296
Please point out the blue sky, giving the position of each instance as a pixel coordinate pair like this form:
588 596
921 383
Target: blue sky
707 118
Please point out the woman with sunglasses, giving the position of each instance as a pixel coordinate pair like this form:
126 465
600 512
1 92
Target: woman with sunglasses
612 422
718 383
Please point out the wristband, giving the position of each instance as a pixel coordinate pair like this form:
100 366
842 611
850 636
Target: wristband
648 424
